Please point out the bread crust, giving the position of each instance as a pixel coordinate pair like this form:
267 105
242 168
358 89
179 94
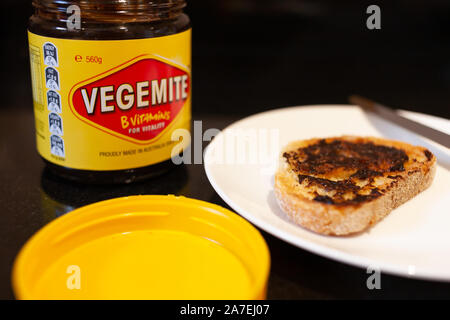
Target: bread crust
345 219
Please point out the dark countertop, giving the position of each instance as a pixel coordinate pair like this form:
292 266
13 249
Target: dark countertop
30 197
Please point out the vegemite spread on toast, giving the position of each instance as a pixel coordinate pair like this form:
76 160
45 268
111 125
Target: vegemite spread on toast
342 172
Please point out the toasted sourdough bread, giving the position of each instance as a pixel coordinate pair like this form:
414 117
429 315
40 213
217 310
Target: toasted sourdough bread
343 185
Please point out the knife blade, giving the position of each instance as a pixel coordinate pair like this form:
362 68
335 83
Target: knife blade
392 116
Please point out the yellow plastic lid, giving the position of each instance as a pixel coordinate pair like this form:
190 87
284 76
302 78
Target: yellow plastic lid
144 247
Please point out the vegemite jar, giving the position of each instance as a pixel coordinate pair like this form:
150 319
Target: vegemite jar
111 86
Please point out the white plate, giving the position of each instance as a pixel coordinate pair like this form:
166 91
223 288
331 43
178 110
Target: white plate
413 240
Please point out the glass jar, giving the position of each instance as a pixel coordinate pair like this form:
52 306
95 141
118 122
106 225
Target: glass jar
111 86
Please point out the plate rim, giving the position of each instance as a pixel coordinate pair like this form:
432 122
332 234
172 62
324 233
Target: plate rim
311 246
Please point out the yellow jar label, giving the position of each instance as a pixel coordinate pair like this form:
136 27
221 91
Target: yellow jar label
110 104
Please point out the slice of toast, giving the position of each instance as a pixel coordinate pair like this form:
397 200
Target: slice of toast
343 185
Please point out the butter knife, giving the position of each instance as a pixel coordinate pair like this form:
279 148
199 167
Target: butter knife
392 116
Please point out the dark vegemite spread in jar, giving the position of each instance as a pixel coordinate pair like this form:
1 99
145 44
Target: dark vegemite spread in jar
111 85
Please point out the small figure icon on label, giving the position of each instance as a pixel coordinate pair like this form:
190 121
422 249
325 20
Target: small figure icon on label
53 101
52 78
57 146
50 54
55 124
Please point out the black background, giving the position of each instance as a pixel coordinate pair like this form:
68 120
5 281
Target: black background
254 55
248 56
